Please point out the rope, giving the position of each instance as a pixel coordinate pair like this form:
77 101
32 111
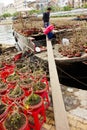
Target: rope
72 77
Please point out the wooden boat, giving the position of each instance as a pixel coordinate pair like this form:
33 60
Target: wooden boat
29 36
37 44
63 62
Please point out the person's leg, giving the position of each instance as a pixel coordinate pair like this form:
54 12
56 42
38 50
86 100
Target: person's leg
46 24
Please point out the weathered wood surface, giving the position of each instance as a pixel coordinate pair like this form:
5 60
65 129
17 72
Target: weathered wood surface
61 121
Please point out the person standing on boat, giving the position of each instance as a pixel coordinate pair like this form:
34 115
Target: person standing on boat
46 17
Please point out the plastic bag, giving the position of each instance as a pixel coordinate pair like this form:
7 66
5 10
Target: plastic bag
65 41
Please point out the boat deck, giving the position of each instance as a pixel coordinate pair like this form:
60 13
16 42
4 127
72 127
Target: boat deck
60 58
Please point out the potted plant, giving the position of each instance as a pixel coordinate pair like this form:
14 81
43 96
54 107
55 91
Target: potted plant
3 109
20 65
32 102
85 45
23 72
16 121
16 94
13 78
39 87
78 54
26 84
38 74
3 112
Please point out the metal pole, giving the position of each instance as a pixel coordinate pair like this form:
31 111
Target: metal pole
61 121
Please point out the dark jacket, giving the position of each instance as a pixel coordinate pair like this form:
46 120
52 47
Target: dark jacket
46 16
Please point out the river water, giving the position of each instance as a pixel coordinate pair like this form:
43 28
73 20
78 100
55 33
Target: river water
6 36
74 75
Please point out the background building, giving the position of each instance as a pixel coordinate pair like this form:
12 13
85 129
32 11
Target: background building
21 4
75 3
9 9
72 3
36 4
62 3
41 4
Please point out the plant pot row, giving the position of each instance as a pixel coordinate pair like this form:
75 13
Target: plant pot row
12 119
17 92
22 89
29 103
28 32
67 52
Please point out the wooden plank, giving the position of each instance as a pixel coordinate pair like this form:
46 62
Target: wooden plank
61 121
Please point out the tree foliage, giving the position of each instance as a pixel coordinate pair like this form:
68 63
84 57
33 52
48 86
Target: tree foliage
6 15
15 14
67 8
34 12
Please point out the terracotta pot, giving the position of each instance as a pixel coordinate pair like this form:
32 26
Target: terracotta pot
78 54
25 125
22 75
44 80
85 46
12 79
27 88
4 114
64 54
31 107
70 56
10 68
11 99
42 90
6 100
86 50
11 84
3 91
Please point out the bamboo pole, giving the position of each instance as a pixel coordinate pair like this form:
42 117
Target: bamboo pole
61 121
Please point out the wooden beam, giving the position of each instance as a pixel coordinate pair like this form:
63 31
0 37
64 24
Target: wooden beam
60 116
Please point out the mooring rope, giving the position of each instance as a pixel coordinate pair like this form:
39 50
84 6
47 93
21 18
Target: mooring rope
72 77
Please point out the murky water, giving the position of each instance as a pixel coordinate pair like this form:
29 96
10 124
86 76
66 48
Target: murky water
74 75
6 36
